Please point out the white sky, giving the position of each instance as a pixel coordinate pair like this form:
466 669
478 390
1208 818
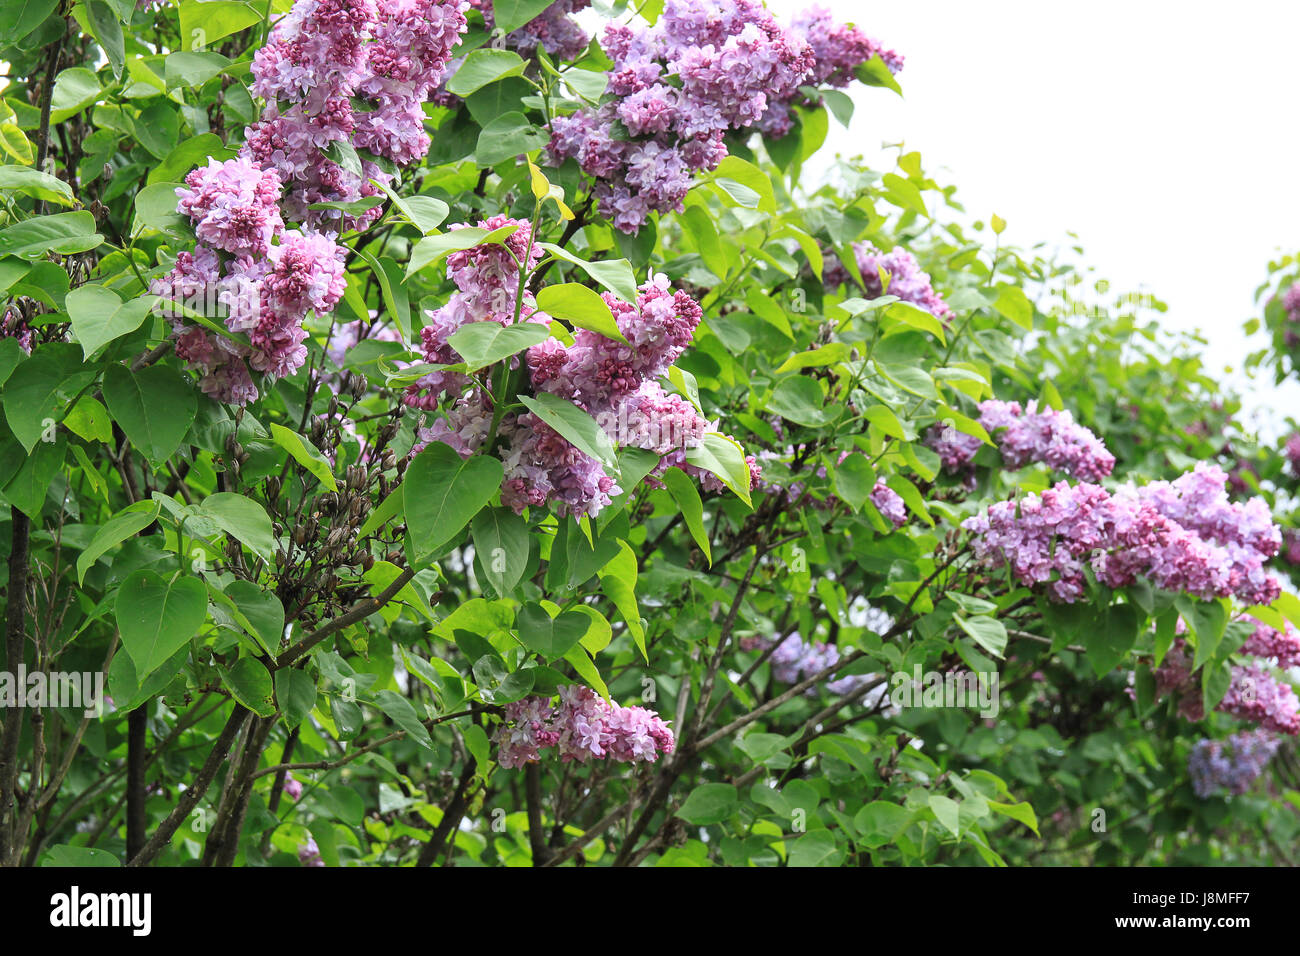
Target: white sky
1164 134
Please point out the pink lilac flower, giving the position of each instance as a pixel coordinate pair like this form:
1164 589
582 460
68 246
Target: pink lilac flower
309 853
1291 546
838 49
1048 436
1291 306
14 326
581 726
343 74
1283 646
233 206
554 30
1292 448
889 503
701 71
1253 693
292 787
906 278
1049 539
1219 768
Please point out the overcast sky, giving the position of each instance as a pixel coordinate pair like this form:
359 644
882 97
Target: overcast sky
1163 134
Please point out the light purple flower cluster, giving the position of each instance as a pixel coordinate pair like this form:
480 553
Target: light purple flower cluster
1283 646
1291 304
261 278
1047 436
838 49
582 725
338 74
1218 767
14 326
309 853
677 88
1050 539
554 30
906 278
1292 452
292 787
795 660
613 381
1253 694
1291 546
1024 436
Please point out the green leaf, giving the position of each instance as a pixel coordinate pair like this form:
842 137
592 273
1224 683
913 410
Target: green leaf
854 480
1015 305
204 22
507 136
989 633
108 33
20 17
1109 642
1017 811
817 848
74 90
501 544
751 177
876 73
157 617
946 812
442 492
723 458
127 523
709 803
26 181
155 208
262 610
616 275
485 343
433 248
916 318
250 683
295 693
242 518
191 152
575 425
510 15
618 581
90 421
305 454
799 399
484 66
192 68
99 316
547 636
683 490
154 406
40 389
581 307
66 855
904 194
66 233
399 709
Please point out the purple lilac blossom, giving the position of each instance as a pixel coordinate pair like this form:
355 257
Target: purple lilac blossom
582 725
906 278
1220 768
701 71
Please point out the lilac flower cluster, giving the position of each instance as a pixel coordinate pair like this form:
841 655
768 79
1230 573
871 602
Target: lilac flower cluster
906 278
309 853
1218 768
265 278
553 30
582 725
1217 550
14 326
613 381
1282 646
338 74
1291 305
1292 451
1024 436
837 49
1253 694
795 660
1291 546
677 88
